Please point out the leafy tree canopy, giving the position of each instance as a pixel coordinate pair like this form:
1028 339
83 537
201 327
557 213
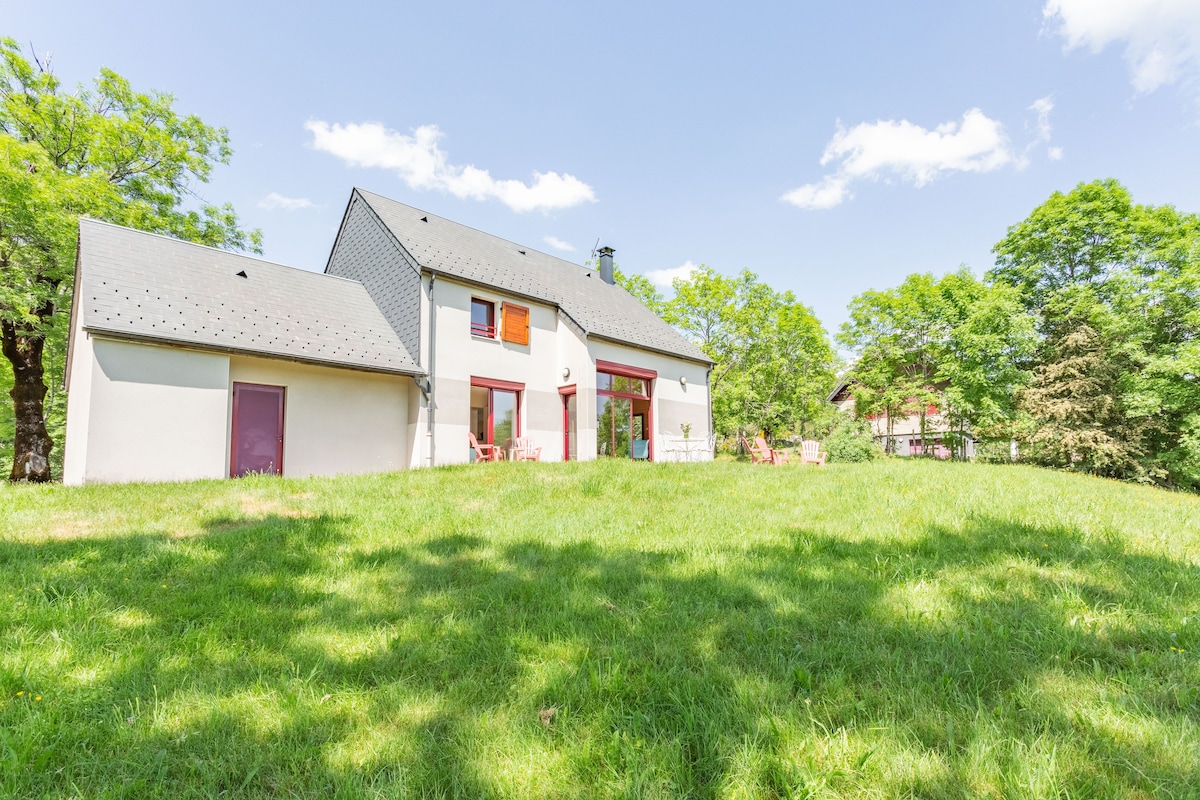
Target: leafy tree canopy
104 151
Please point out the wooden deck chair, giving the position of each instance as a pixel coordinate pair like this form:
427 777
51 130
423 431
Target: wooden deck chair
811 453
484 452
757 456
777 456
523 450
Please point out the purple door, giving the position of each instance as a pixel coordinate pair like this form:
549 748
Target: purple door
257 444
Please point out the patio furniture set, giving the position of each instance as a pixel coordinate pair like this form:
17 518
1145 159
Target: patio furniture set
810 452
519 449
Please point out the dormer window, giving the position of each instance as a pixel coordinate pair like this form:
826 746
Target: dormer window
483 318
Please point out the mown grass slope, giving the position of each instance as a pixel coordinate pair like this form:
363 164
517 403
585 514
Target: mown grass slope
603 630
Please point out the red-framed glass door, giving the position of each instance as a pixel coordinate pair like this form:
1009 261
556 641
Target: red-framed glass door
570 398
624 411
495 410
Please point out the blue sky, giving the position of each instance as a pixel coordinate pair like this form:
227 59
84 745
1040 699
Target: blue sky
828 147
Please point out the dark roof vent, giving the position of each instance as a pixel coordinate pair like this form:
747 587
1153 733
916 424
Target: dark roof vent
522 252
424 219
242 274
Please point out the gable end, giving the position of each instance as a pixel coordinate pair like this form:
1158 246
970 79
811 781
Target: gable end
366 252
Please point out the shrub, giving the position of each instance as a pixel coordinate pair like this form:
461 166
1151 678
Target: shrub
851 440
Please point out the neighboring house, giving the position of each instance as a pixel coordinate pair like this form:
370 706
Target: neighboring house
187 362
904 438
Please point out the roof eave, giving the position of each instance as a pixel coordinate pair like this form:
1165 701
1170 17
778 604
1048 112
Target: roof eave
225 349
708 362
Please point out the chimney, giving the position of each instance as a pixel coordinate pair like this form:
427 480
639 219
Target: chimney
606 265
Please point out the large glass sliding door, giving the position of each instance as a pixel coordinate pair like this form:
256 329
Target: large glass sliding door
495 412
623 418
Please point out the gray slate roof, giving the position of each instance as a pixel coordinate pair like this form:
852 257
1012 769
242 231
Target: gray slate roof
143 286
602 310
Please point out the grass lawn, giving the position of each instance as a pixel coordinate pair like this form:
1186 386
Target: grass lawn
603 630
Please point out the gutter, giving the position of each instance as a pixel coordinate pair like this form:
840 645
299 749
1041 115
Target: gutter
184 344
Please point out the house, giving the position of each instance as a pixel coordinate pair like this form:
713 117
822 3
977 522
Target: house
903 437
187 362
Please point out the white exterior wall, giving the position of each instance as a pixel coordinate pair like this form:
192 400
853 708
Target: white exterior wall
139 412
460 356
336 421
554 346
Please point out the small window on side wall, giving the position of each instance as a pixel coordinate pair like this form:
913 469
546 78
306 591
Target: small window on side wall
483 318
514 323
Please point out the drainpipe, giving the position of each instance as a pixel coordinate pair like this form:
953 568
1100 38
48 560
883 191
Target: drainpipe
429 408
708 386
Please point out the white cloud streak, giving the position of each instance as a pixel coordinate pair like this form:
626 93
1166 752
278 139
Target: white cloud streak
559 244
1043 130
1162 37
423 165
275 200
665 277
887 148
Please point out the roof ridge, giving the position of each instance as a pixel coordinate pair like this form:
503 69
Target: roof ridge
362 191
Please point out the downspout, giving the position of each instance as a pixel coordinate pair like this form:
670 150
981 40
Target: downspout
708 386
430 407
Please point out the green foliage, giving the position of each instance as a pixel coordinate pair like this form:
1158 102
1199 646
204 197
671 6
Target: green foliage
773 363
640 287
852 441
893 629
951 342
104 151
1116 290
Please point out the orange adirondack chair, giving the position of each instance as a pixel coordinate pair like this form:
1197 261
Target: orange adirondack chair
758 455
811 453
484 452
777 456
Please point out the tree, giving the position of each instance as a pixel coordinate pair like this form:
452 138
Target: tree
1075 404
773 364
952 342
107 152
1114 286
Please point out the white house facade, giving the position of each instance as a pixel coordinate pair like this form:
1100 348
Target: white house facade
187 362
904 435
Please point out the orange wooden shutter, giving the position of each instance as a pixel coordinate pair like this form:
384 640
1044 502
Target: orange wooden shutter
515 324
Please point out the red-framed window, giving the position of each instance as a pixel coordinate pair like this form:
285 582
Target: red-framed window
483 318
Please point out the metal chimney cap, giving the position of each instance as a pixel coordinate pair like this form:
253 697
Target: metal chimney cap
606 251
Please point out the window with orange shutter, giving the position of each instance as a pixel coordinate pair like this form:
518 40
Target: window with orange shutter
514 325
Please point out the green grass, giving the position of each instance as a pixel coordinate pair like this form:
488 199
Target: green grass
897 629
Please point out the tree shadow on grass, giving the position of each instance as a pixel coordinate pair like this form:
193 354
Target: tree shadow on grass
276 661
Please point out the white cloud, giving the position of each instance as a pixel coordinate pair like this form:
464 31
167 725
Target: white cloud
559 244
1043 130
826 194
423 165
1162 37
665 277
275 200
872 150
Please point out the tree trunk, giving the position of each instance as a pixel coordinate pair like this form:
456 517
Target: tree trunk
23 346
